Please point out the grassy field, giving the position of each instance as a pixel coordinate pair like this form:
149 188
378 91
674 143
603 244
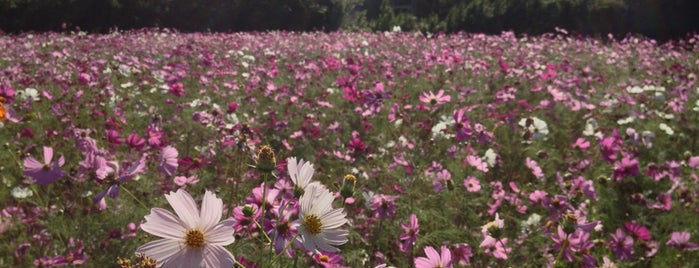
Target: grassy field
451 150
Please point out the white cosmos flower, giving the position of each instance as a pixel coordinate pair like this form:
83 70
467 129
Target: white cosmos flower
537 127
319 224
301 173
192 238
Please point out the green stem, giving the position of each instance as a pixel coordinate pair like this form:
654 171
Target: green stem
262 231
264 212
238 263
133 196
291 241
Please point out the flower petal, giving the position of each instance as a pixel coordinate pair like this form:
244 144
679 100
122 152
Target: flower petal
31 164
211 210
333 219
161 250
185 207
218 256
431 253
48 155
221 234
163 223
186 258
336 237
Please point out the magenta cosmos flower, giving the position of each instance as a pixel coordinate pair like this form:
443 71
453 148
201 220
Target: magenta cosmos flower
192 238
47 172
434 259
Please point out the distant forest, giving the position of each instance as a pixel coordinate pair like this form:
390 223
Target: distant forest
659 19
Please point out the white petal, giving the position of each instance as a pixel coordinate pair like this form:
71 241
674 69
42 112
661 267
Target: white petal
323 201
305 174
292 167
221 234
333 219
164 224
336 237
211 210
185 207
161 250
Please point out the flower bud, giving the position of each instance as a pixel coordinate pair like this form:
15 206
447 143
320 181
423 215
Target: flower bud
266 160
248 211
348 183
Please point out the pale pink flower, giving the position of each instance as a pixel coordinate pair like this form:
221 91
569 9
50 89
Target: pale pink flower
47 172
429 98
168 161
192 238
472 184
434 259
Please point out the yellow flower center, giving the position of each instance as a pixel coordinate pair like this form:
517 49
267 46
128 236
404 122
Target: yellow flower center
324 258
194 238
312 224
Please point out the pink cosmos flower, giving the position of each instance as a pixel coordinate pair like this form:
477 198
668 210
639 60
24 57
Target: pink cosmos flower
329 260
462 125
693 162
182 181
472 184
536 170
429 98
680 240
622 245
168 161
193 237
409 236
384 206
47 172
434 259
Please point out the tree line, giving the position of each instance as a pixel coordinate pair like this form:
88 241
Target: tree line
660 19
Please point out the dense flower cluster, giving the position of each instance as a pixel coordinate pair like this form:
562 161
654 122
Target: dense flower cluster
348 149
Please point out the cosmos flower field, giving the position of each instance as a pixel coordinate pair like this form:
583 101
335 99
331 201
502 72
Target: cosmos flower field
348 150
